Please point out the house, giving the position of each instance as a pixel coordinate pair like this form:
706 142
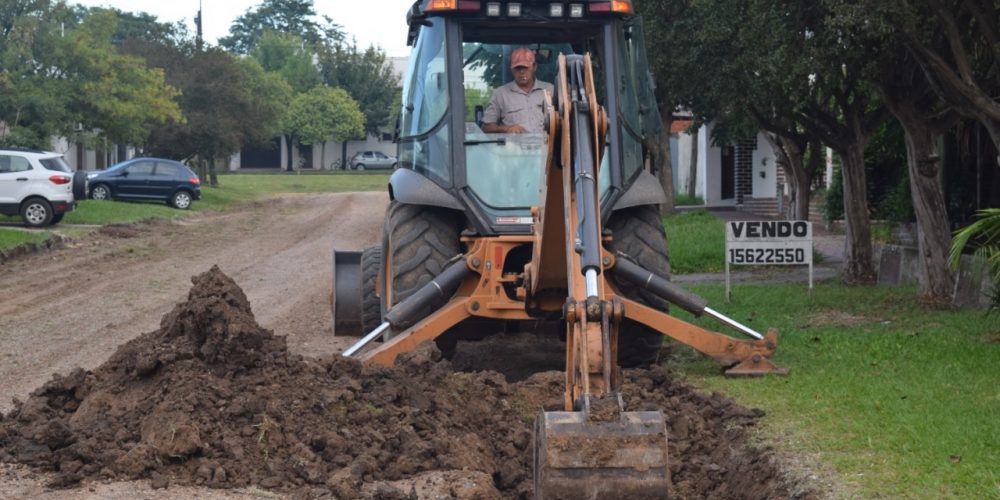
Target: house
743 175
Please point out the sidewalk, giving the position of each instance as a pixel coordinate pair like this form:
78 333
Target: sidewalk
827 247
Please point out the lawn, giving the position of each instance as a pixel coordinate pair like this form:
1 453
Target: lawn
900 401
10 238
233 189
697 242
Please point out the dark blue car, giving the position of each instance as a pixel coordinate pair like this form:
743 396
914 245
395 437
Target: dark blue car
147 179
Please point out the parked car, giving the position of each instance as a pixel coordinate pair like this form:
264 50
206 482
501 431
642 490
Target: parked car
147 179
38 185
364 160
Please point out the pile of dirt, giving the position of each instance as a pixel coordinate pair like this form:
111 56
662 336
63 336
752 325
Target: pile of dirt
213 399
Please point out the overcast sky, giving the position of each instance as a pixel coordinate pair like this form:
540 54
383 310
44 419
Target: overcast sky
371 22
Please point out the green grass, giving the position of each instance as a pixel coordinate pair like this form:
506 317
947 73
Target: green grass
902 402
697 242
10 238
682 199
233 189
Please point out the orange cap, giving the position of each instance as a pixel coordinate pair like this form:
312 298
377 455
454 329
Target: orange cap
522 56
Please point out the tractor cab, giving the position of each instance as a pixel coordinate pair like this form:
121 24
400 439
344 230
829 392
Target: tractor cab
461 54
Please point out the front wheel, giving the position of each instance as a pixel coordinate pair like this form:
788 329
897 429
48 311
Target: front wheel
181 200
418 242
359 166
100 192
36 212
638 232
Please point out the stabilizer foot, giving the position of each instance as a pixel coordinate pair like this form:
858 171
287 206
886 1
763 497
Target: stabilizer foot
756 366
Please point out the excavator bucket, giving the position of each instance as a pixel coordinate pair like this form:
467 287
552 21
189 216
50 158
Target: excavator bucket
345 303
579 457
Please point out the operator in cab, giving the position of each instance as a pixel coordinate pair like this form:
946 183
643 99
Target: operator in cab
519 106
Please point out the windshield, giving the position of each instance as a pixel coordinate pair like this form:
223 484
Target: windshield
505 170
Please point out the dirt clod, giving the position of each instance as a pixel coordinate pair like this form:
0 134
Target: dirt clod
213 399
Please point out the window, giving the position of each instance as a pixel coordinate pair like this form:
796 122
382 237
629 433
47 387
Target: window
140 169
55 164
381 156
13 164
166 170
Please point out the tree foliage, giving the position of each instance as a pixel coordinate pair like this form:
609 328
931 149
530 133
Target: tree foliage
287 56
325 113
368 77
59 76
280 16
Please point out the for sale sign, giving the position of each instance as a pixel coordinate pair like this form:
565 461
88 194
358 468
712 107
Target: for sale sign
769 243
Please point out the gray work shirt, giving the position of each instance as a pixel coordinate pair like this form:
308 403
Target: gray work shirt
510 105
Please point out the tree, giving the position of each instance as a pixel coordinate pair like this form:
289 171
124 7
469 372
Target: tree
280 16
904 88
965 69
226 104
115 93
367 77
55 79
324 113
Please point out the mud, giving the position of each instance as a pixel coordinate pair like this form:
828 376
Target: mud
213 399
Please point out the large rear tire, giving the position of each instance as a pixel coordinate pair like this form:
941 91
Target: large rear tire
371 303
418 241
638 232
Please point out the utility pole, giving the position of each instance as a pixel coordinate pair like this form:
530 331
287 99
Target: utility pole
197 22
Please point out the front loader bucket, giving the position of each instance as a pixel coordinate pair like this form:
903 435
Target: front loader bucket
346 300
577 457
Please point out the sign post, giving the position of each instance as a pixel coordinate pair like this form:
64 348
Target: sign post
768 243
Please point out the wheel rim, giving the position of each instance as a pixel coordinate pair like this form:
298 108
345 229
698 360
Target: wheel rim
100 193
182 200
361 167
35 213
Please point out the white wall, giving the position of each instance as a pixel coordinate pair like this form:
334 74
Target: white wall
709 169
682 166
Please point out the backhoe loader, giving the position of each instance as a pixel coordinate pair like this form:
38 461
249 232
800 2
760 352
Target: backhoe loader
557 228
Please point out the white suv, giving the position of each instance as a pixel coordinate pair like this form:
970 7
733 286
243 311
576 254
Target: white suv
39 186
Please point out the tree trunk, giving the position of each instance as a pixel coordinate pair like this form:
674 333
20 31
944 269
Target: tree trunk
289 144
692 187
322 156
933 234
663 163
859 265
788 155
343 154
212 175
202 171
